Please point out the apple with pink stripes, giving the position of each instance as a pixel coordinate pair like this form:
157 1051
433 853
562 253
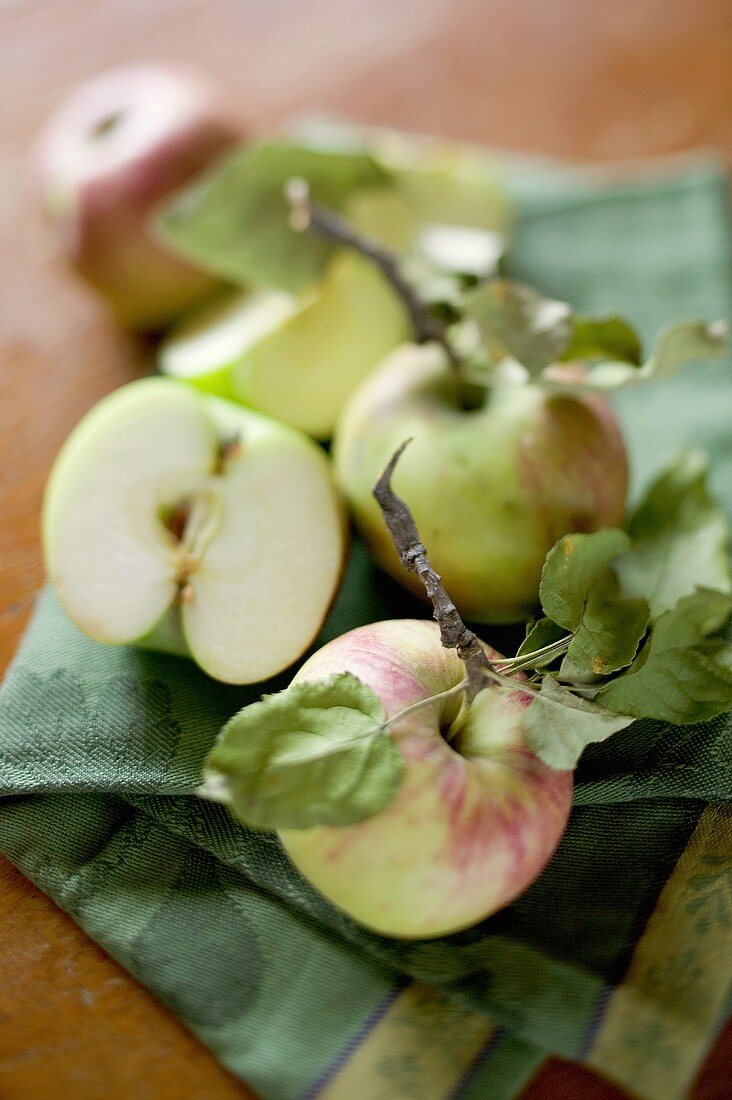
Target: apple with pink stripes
477 814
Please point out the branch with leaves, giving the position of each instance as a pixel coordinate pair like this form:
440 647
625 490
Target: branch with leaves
272 215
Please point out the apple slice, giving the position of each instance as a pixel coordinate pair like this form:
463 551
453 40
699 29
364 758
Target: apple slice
297 359
184 522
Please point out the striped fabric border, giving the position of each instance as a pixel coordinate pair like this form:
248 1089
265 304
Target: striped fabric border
420 1044
658 1023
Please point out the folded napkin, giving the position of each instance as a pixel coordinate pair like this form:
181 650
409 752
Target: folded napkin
617 955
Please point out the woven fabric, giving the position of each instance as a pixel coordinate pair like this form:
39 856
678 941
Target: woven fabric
618 954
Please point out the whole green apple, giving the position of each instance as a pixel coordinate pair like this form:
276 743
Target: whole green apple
477 815
112 152
297 359
494 476
185 523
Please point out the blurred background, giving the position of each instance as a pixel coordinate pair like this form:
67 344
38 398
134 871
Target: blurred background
577 79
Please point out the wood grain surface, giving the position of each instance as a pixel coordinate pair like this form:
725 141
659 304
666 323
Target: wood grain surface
574 78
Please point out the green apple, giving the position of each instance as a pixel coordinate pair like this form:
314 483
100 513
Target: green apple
112 152
184 522
492 486
294 358
477 815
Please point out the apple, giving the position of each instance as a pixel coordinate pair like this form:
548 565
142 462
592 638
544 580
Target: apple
477 815
113 151
294 358
492 485
185 523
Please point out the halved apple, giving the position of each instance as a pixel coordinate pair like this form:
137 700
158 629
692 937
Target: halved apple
186 523
294 358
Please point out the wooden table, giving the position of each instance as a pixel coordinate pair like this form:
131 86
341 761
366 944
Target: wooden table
575 78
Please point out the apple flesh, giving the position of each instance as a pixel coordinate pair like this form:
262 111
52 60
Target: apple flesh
189 524
297 359
119 146
477 815
492 486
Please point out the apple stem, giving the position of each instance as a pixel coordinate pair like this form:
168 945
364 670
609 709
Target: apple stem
454 634
309 216
543 655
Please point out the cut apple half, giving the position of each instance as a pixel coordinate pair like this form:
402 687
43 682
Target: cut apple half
186 523
297 359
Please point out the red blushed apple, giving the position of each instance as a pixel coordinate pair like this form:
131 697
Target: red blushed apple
118 147
477 815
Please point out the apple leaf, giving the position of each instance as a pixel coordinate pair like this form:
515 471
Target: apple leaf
314 754
595 587
603 338
679 536
518 323
542 634
677 344
235 221
608 634
571 567
695 617
681 677
558 725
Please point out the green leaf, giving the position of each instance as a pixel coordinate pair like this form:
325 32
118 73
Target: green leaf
679 535
543 633
559 725
517 323
680 676
235 221
311 755
694 618
677 344
681 685
603 338
608 634
570 568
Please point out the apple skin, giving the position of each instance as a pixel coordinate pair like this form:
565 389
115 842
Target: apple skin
473 822
491 488
120 145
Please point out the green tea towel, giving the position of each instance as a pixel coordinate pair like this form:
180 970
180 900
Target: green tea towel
619 954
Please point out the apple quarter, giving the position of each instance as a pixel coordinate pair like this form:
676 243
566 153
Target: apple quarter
295 358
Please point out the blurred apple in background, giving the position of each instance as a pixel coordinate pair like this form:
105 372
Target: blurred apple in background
113 151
